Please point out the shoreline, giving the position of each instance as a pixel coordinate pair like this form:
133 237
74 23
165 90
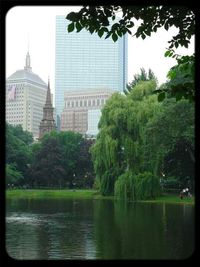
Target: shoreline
86 194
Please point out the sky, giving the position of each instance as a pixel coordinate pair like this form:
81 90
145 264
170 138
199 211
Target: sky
33 28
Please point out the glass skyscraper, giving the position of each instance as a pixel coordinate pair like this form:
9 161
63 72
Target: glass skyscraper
85 61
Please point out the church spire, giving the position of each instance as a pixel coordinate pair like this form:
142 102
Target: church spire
48 99
47 124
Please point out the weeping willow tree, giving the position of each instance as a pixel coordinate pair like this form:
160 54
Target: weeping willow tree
125 186
135 187
139 181
107 152
147 186
145 107
121 141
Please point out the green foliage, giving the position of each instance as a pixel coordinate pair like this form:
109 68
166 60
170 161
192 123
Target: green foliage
101 19
18 132
181 79
143 89
62 159
107 182
58 160
47 168
170 142
147 186
135 187
171 183
13 177
119 145
138 136
142 76
18 152
125 186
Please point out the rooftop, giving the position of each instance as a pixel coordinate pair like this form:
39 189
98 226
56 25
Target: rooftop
26 75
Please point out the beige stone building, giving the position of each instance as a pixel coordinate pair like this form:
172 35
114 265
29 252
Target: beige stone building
25 98
79 106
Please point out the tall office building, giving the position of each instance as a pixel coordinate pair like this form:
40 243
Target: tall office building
84 61
25 98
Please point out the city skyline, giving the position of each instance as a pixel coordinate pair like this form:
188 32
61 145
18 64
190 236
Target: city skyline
24 33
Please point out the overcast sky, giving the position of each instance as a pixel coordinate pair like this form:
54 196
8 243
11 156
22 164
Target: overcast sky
36 25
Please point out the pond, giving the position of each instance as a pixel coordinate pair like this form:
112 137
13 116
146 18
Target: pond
98 229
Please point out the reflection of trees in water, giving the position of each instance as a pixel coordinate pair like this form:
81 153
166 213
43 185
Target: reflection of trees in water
18 244
142 231
62 230
68 231
107 234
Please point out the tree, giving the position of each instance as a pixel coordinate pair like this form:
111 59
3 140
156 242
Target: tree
179 163
180 82
170 142
13 177
18 151
120 143
137 138
142 76
62 159
98 19
47 168
107 150
84 166
25 136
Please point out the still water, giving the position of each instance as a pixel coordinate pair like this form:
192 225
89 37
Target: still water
98 229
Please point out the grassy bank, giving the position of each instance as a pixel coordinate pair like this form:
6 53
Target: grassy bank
65 193
173 199
86 194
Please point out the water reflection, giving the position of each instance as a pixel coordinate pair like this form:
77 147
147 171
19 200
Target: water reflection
145 231
98 229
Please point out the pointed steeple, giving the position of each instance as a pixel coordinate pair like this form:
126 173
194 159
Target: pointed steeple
48 98
47 124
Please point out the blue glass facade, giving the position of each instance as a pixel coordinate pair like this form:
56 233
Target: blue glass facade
85 61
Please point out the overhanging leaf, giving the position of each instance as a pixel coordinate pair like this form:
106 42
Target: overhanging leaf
114 37
70 27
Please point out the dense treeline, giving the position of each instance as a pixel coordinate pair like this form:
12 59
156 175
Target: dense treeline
141 141
59 160
143 144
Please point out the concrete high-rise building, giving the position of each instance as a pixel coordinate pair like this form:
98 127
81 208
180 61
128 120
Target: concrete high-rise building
25 97
85 61
82 110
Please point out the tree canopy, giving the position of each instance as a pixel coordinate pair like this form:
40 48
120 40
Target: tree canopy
180 82
142 21
101 19
58 160
142 76
138 141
